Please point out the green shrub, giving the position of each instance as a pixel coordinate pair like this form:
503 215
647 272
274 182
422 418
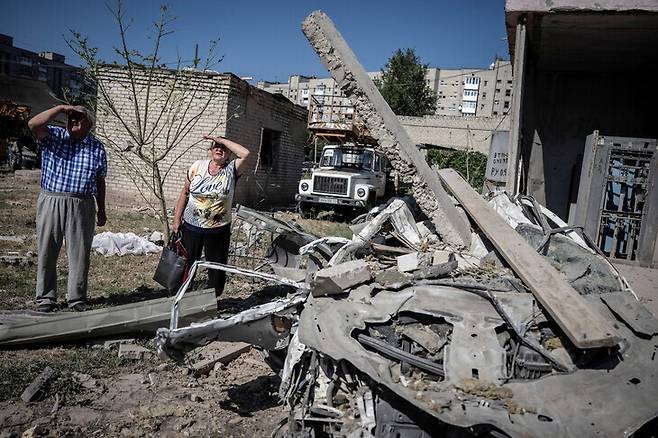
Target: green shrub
471 165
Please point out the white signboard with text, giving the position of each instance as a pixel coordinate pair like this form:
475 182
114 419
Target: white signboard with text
498 153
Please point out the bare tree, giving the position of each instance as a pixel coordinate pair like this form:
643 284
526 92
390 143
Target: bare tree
165 104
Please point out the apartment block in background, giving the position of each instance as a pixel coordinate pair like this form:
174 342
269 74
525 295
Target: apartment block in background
460 92
47 67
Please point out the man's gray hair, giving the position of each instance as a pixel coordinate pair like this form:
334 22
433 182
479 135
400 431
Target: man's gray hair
89 115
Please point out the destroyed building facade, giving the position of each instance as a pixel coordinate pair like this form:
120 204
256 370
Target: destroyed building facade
271 127
583 117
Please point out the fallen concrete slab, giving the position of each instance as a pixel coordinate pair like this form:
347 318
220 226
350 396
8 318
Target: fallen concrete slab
23 328
585 327
385 128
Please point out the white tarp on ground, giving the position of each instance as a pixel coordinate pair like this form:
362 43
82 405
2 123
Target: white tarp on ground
109 244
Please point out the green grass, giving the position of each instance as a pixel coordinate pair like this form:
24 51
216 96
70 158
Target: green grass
108 276
130 221
471 165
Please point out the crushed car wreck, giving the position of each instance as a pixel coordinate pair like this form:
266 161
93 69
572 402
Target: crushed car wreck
442 349
407 330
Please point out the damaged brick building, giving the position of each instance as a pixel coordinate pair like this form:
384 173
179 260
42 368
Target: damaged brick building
272 128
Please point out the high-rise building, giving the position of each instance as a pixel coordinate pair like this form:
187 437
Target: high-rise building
474 92
460 92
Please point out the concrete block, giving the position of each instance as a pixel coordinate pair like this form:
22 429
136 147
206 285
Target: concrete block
441 256
425 228
114 342
415 260
130 351
338 279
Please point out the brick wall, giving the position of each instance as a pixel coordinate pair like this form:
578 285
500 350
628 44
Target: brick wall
218 97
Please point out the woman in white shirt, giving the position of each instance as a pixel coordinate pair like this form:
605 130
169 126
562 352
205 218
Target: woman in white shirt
203 210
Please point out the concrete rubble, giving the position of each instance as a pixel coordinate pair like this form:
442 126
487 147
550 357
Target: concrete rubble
403 331
439 346
134 352
339 278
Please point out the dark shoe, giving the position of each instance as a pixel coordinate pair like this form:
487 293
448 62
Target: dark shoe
46 308
80 306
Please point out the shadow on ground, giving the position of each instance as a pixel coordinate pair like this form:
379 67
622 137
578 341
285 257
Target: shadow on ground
269 293
253 396
138 295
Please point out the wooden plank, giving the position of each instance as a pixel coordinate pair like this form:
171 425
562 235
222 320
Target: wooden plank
583 325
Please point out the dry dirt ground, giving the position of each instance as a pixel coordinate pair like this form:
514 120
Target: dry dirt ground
93 391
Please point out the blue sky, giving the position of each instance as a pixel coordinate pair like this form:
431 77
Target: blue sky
263 39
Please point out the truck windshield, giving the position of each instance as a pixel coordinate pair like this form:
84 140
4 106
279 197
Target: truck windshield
345 158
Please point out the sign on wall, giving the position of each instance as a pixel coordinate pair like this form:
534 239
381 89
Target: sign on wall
497 161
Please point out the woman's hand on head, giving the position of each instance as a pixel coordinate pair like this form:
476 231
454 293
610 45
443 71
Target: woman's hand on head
217 138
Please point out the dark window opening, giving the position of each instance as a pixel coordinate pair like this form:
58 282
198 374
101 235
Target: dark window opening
270 141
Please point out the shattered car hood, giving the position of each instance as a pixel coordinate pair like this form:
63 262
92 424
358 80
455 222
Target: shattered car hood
585 402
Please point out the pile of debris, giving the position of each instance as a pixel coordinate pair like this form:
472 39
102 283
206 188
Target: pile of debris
444 314
441 316
396 332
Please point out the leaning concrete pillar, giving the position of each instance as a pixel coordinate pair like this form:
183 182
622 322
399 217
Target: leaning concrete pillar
515 138
384 127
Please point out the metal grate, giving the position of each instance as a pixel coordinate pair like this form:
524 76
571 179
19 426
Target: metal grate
331 185
623 210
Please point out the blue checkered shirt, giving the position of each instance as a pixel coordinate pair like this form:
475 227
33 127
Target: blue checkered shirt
69 166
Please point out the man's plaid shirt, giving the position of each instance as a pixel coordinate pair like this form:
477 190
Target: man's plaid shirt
71 166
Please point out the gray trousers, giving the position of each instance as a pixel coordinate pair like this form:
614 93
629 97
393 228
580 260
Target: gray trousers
64 216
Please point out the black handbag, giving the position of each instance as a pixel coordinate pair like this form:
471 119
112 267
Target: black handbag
172 268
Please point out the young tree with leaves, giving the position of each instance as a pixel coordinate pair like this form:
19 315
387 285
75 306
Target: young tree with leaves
403 85
150 133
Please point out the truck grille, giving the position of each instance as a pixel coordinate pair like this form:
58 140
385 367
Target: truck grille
330 185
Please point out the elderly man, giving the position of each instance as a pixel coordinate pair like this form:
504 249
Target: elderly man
73 169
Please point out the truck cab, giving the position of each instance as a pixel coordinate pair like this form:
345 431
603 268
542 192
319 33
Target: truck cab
348 177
